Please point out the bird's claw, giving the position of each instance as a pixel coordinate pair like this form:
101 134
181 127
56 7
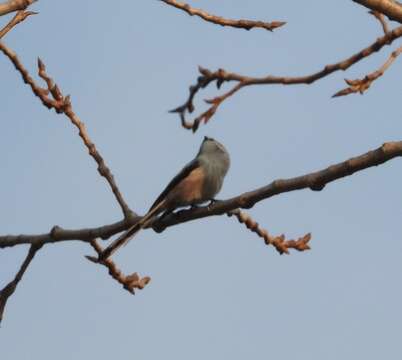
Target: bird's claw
212 202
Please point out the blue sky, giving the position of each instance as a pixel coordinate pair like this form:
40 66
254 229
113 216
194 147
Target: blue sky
217 291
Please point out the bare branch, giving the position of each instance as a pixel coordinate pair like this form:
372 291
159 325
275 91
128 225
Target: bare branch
14 5
361 85
220 76
315 181
129 282
241 24
381 18
279 242
392 9
58 234
9 289
19 17
52 98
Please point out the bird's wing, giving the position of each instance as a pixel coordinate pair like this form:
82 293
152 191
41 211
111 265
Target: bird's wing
179 177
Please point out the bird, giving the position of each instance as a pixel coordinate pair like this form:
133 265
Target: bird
198 182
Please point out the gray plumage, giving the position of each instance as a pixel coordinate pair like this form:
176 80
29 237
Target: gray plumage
214 158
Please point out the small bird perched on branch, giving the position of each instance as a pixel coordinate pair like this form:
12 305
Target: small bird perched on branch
199 181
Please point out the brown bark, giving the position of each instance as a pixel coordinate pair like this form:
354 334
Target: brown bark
315 181
14 5
218 20
392 9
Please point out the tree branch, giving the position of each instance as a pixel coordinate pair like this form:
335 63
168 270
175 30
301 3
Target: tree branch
220 76
392 9
14 5
129 282
52 98
361 85
9 289
315 181
19 17
381 18
279 242
58 234
240 24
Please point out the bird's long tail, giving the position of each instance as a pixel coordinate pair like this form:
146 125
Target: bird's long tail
126 237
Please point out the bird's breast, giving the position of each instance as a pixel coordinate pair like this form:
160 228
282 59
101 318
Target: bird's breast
189 191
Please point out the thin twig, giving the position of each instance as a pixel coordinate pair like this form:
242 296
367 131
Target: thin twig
240 24
220 76
279 242
129 282
19 17
361 85
9 289
315 181
381 18
52 98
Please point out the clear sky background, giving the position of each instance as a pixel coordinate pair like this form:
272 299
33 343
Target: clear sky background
217 291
